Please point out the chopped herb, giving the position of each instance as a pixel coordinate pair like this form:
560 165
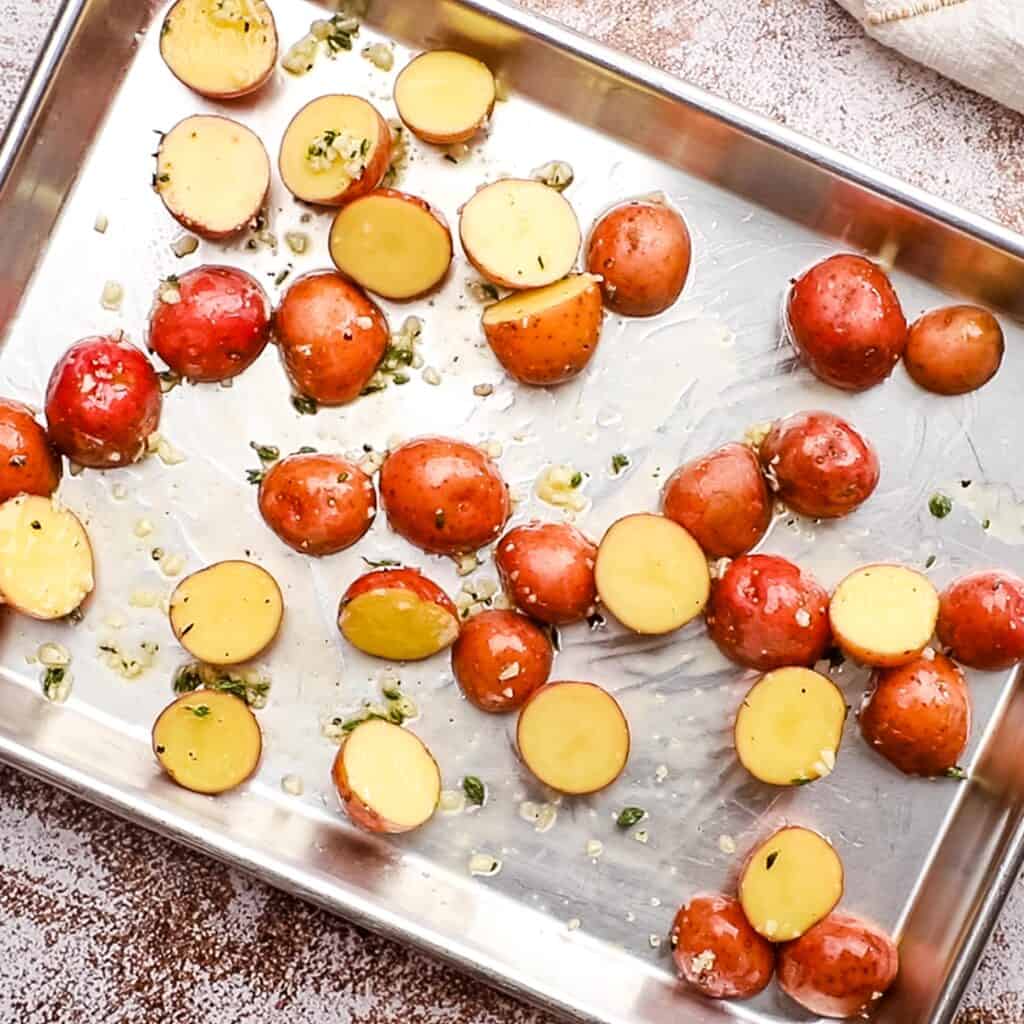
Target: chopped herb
199 710
391 693
363 716
540 262
556 638
163 178
489 291
255 476
53 676
965 484
36 525
17 461
629 816
986 523
188 629
364 147
450 158
800 781
929 561
342 478
771 859
395 714
956 772
439 519
266 452
304 406
156 554
576 479
107 649
282 275
172 279
940 505
187 679
400 378
619 463
306 450
596 621
160 748
74 616
475 790
381 563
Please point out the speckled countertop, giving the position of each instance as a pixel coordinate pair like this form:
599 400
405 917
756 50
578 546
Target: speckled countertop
102 922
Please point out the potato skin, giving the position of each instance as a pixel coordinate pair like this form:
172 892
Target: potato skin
548 571
489 645
317 504
846 322
722 499
918 715
836 968
818 464
741 962
642 251
28 462
443 496
328 354
756 610
400 579
981 619
954 349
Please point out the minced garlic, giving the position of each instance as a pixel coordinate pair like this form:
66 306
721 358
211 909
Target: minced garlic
333 148
561 486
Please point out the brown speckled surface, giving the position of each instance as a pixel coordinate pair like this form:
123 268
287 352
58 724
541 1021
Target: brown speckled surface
102 922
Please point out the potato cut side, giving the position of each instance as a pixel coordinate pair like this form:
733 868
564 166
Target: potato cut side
651 574
226 613
538 301
790 883
386 778
220 48
208 741
46 567
444 96
884 614
391 244
573 737
789 727
213 175
397 624
520 234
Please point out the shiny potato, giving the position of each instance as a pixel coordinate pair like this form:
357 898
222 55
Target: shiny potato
954 349
981 619
28 462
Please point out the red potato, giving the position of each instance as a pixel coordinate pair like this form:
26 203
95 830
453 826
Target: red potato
846 322
102 403
818 465
548 571
210 324
840 967
331 336
317 504
443 496
767 613
721 499
500 659
954 349
981 619
716 950
28 462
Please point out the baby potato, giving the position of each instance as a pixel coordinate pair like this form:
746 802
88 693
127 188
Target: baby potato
28 462
721 499
954 349
331 336
767 613
846 322
641 251
918 715
444 97
981 619
818 465
317 504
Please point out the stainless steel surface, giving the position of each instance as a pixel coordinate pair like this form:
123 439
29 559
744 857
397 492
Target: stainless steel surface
932 859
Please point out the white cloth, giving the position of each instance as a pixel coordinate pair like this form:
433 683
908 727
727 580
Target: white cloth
979 43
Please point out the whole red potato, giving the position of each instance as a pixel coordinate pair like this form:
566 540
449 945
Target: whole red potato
28 463
981 619
954 349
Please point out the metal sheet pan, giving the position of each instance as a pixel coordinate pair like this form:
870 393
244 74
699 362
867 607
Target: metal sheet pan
933 860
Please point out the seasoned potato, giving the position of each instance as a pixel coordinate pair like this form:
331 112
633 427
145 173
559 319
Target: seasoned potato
954 349
641 250
818 464
721 499
981 619
28 462
846 322
443 96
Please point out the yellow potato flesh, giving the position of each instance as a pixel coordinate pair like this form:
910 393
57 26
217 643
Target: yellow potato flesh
651 574
790 883
46 567
444 96
573 737
789 727
208 741
227 613
538 301
397 624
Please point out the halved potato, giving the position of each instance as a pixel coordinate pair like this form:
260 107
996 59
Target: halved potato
226 613
46 567
336 148
573 737
222 49
444 96
651 574
387 779
520 234
393 244
208 741
790 882
789 727
547 335
884 614
213 175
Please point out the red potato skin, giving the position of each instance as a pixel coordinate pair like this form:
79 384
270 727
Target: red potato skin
443 495
753 614
838 967
721 499
819 465
846 322
28 462
317 504
744 961
217 330
102 403
918 716
327 354
548 571
954 349
981 619
488 645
